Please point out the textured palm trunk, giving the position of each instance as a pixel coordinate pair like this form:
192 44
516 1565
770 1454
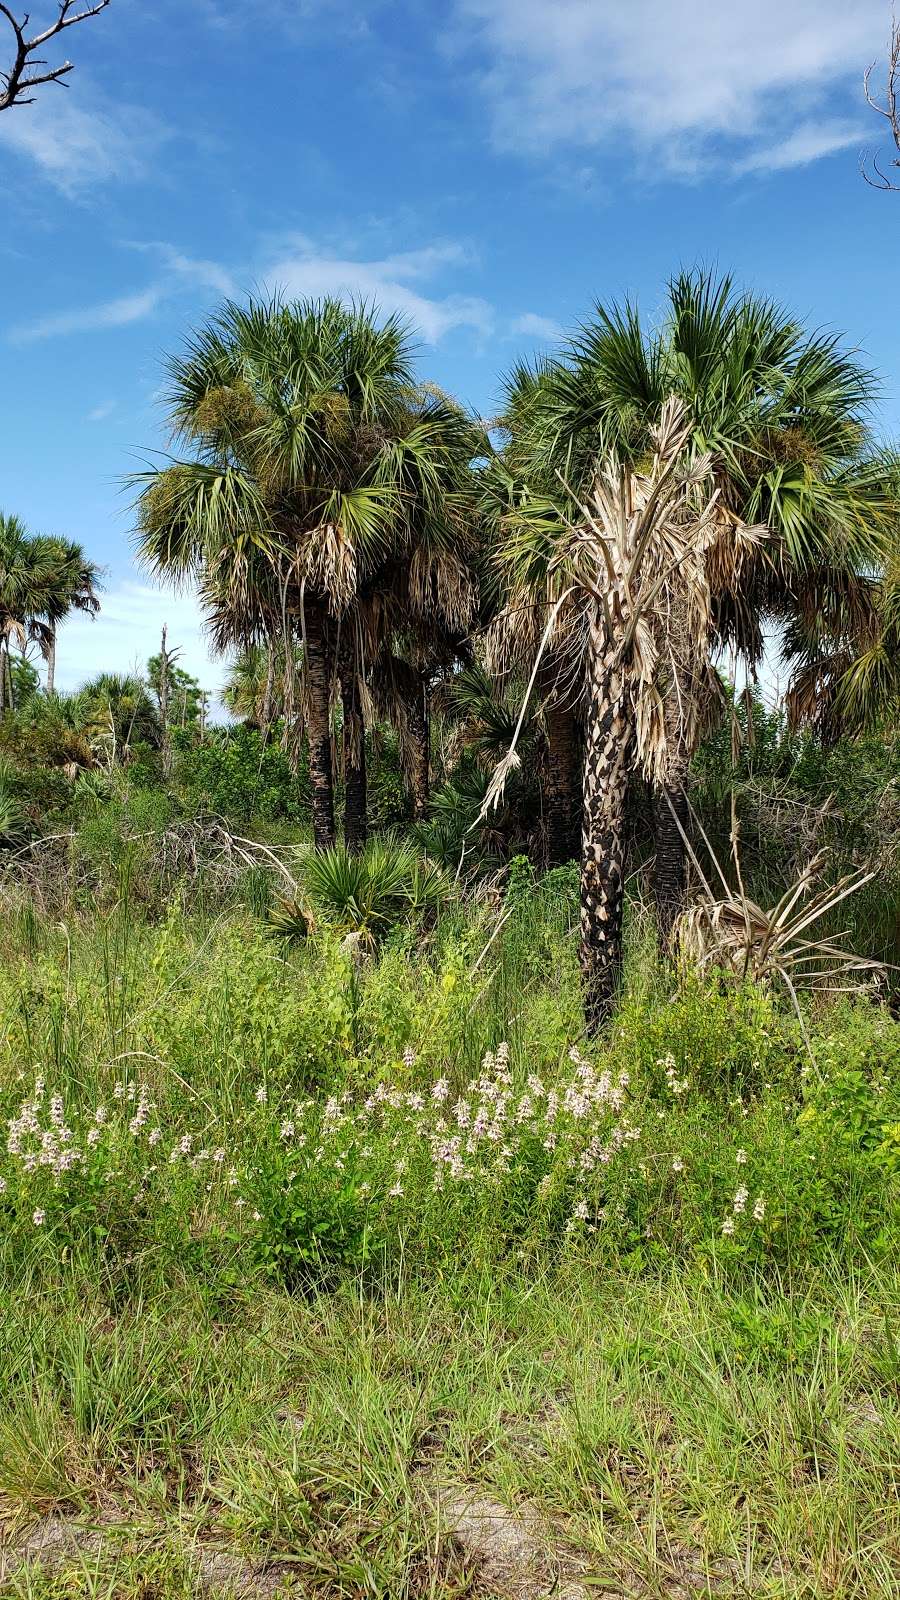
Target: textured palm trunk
419 726
562 786
356 827
51 662
608 755
321 776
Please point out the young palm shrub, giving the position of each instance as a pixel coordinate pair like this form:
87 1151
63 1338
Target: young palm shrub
13 822
363 893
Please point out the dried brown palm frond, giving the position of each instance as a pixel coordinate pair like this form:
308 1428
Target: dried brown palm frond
734 934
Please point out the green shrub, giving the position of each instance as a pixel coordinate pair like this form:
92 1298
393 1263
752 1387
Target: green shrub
240 775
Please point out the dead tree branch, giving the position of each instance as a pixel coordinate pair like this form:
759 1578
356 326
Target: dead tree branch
889 108
30 68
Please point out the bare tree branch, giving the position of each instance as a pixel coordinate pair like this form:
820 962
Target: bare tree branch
21 77
889 108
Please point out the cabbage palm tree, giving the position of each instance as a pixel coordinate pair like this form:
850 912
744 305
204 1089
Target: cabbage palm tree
520 607
311 456
255 684
41 580
75 584
783 417
24 575
613 570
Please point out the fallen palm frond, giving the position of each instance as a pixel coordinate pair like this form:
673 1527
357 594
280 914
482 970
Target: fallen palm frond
733 933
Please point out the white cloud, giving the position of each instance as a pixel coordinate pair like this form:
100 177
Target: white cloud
807 143
390 283
675 81
537 327
79 140
394 283
126 633
180 272
101 412
187 269
116 313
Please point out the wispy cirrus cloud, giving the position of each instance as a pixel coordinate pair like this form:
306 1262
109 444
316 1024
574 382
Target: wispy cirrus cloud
83 139
116 313
534 326
683 86
808 142
295 269
393 283
179 272
101 412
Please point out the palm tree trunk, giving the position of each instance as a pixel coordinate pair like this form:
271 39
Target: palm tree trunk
166 749
51 661
4 653
321 776
419 726
608 755
355 818
562 786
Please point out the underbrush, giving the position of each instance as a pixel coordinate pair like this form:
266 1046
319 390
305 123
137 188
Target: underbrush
289 1238
190 1086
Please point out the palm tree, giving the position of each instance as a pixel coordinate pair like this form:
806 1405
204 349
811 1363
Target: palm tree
845 658
519 609
26 574
117 711
75 584
41 580
255 685
614 569
312 454
783 417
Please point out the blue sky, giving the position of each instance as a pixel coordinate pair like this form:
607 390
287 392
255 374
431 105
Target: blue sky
490 167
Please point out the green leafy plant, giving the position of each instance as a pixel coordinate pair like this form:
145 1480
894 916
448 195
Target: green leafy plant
368 893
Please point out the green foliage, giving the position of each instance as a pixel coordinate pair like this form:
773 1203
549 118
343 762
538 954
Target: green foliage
13 820
388 882
184 692
23 680
243 775
312 1224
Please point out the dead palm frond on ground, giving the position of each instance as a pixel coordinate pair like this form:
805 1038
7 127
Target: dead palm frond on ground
779 944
